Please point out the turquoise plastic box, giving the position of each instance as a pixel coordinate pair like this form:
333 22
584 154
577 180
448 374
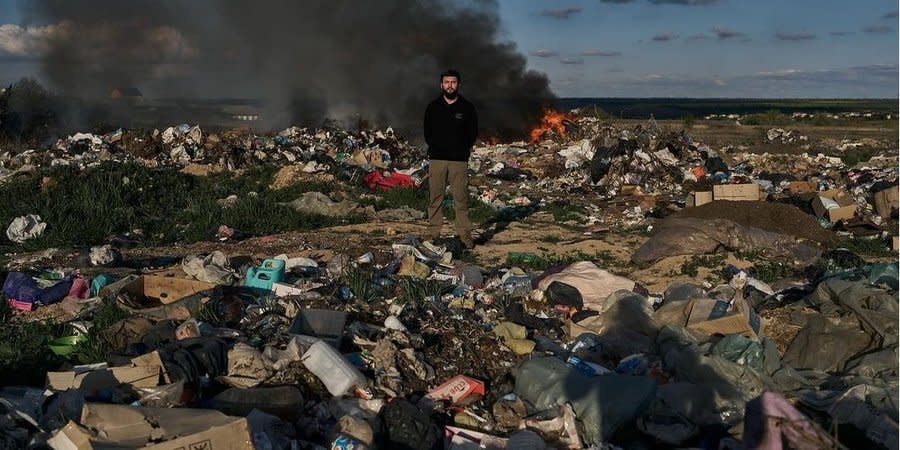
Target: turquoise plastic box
262 277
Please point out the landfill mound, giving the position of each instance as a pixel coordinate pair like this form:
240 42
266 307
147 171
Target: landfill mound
776 217
368 336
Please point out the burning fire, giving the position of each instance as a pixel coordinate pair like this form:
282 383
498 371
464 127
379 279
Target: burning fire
552 121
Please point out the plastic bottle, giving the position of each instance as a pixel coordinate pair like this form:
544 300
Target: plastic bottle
335 371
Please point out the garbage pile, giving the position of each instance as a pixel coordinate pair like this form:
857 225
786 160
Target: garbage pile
422 350
414 346
184 144
625 176
785 137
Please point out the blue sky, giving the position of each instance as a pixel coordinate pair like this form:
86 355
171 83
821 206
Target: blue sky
681 48
728 48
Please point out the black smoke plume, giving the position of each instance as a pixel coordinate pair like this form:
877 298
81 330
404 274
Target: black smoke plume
306 60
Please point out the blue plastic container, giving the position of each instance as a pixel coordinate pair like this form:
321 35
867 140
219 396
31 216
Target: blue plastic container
262 277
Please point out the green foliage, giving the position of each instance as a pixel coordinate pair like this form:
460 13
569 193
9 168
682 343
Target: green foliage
416 290
480 213
360 282
546 260
853 156
749 255
772 271
772 117
690 267
550 238
410 197
866 247
96 347
85 208
565 212
25 357
599 113
27 113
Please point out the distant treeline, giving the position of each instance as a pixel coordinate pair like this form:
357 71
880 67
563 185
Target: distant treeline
680 108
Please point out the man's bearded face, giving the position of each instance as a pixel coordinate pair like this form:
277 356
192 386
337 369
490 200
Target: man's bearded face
449 85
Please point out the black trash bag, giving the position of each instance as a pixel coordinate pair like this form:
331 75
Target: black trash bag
281 401
406 427
716 164
191 359
511 174
559 293
603 157
515 313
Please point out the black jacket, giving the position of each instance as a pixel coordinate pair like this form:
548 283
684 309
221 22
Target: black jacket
450 129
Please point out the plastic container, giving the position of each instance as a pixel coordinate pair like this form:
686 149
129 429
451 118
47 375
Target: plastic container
262 277
65 345
324 324
335 371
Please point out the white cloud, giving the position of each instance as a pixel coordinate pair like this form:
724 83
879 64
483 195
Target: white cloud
544 53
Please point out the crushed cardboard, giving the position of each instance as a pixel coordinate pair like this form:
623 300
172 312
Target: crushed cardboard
699 198
107 427
737 192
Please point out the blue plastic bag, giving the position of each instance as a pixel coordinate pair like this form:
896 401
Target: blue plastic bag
22 287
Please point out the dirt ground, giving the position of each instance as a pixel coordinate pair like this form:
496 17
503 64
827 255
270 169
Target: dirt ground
718 133
536 234
775 217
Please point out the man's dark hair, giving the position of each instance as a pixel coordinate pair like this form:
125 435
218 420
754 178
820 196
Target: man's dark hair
451 73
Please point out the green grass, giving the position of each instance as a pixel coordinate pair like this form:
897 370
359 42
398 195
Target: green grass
360 282
690 267
566 212
545 260
414 291
25 357
772 117
749 255
853 156
396 198
163 206
95 348
772 271
866 247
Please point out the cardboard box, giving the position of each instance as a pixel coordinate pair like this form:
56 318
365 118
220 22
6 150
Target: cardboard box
108 427
886 202
94 381
646 201
712 317
459 390
699 198
736 192
145 371
843 213
152 359
845 210
802 187
895 243
159 297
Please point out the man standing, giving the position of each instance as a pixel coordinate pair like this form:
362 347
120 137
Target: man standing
451 126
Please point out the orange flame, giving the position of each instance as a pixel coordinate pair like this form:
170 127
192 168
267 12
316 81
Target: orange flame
551 121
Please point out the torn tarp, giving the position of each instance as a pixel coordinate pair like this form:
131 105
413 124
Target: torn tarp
692 236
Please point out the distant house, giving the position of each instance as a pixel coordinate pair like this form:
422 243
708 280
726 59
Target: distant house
128 94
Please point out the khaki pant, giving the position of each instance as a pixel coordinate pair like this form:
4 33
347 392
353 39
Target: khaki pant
440 174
